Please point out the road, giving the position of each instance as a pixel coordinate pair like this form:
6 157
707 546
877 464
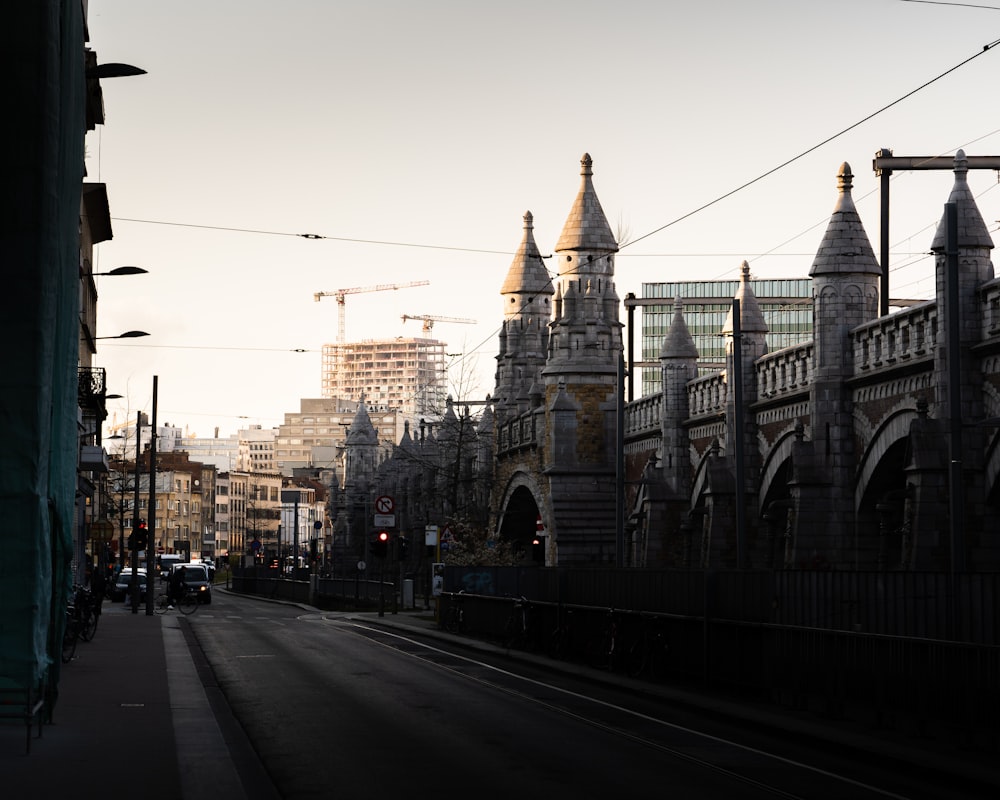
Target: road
335 705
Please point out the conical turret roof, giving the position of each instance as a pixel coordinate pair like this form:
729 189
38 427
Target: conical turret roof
751 318
586 226
972 231
362 431
678 343
527 273
845 247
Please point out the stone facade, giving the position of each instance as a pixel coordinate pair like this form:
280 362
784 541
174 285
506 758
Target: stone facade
874 446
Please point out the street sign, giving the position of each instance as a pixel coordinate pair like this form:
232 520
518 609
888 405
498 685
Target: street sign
385 521
384 505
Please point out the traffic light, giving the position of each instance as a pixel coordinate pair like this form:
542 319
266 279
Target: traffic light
139 538
380 547
404 548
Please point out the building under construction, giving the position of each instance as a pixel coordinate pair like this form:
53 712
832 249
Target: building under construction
405 374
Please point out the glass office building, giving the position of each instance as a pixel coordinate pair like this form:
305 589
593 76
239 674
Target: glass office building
786 304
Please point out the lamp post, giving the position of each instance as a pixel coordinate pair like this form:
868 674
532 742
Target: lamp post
121 271
126 335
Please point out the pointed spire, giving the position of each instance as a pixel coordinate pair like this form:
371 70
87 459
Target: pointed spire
751 317
678 343
362 431
845 246
586 226
527 273
972 231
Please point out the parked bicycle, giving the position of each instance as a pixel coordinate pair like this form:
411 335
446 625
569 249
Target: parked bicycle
87 610
71 633
646 657
604 651
519 633
454 618
560 643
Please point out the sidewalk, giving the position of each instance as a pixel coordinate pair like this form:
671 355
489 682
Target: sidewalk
132 718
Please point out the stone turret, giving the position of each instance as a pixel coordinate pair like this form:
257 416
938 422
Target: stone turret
678 366
581 382
527 306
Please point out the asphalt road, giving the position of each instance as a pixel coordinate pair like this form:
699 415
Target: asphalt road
334 705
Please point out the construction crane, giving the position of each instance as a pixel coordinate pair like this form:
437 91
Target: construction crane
341 295
430 320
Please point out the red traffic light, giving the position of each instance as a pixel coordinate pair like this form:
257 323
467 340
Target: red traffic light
383 536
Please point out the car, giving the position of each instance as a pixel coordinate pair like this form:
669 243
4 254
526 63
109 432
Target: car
123 585
195 577
167 562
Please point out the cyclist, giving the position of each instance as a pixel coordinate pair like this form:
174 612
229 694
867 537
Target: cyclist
176 586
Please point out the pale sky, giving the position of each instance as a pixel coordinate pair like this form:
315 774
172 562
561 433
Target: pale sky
413 136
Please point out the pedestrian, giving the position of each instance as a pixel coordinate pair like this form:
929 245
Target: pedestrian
98 588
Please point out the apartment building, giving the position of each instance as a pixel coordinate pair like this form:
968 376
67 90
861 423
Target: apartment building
410 375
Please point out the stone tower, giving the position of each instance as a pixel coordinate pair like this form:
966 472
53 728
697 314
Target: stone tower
581 383
846 277
971 260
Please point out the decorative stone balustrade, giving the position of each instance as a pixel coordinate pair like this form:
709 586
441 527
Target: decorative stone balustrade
785 371
707 395
907 335
644 415
991 310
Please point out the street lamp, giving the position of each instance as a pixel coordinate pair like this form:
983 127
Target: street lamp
126 335
121 271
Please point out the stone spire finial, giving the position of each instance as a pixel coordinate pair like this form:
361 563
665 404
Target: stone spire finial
972 231
751 317
587 227
845 247
527 273
678 343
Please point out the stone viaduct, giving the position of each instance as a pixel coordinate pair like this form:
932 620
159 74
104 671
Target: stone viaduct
874 446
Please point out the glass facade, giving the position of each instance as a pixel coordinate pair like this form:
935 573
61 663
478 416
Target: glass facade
786 304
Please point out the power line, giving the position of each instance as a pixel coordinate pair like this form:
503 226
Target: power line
815 147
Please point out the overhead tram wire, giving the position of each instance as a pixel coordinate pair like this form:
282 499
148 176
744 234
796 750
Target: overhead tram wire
804 153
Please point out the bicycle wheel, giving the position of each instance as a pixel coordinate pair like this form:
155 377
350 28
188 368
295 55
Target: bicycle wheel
88 625
69 640
161 603
188 603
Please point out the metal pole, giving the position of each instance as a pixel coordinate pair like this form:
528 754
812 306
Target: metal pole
884 174
151 512
738 436
630 311
134 584
620 466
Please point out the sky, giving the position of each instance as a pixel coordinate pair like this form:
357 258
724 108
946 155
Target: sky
411 137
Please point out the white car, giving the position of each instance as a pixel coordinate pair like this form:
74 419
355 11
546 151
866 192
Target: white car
123 585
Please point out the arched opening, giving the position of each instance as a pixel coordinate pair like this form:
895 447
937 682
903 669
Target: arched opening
520 518
880 527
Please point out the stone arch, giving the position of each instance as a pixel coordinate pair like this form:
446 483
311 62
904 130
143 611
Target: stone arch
520 509
894 429
775 466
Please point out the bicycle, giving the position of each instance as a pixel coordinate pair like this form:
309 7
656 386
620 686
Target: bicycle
647 655
519 633
87 616
454 619
187 603
71 633
604 650
560 643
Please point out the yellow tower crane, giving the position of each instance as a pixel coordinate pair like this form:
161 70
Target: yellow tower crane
341 296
